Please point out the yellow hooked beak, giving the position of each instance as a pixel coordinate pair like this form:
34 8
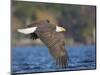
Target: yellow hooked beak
60 29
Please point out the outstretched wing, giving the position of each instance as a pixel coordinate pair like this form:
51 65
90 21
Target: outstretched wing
56 43
59 53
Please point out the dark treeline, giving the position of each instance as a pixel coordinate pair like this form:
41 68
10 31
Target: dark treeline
79 20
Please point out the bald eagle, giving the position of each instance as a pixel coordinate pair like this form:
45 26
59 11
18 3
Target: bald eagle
52 36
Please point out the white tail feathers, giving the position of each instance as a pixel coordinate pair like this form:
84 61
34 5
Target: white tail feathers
27 30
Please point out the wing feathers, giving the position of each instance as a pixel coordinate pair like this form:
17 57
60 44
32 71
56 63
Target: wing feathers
61 61
56 47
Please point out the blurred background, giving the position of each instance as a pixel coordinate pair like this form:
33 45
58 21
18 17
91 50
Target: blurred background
30 56
79 20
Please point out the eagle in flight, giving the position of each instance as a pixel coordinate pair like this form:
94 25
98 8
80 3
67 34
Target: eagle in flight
52 36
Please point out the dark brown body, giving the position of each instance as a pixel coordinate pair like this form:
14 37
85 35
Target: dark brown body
55 41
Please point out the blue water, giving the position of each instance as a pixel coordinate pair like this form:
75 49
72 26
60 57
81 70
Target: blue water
32 59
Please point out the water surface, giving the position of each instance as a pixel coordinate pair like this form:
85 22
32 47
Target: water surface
38 59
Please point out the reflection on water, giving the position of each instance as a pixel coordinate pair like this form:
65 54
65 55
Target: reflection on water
38 59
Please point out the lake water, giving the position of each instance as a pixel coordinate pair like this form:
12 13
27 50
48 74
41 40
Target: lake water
32 59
